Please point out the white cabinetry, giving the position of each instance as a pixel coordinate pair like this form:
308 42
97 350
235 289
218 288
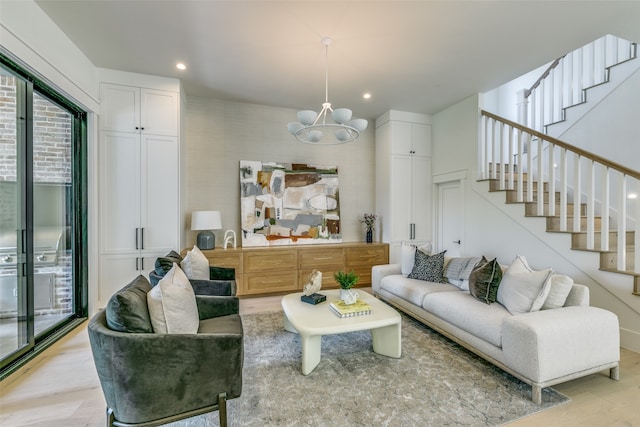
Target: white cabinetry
403 178
139 182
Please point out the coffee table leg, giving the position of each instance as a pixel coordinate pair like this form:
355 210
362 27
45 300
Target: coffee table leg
387 340
288 326
311 347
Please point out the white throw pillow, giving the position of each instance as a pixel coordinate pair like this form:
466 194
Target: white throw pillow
408 255
558 292
172 304
522 289
407 258
195 265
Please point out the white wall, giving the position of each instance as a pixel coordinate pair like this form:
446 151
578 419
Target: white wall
611 129
221 133
495 229
30 36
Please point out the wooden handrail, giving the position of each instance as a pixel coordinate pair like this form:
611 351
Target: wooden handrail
583 153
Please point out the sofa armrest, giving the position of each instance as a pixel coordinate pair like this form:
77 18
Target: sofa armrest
215 306
549 344
221 273
223 288
378 272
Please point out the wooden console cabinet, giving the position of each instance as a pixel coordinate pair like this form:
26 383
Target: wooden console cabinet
285 269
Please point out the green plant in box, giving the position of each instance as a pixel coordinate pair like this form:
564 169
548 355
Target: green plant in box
346 280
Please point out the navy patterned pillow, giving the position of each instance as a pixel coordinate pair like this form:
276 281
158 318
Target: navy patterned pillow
428 267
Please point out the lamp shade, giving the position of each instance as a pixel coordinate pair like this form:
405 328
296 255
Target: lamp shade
206 220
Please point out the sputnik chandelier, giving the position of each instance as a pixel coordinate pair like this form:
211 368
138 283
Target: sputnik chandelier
311 126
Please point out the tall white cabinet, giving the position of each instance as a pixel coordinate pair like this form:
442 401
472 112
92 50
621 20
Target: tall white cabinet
139 181
403 178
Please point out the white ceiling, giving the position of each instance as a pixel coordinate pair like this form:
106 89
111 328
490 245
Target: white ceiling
419 56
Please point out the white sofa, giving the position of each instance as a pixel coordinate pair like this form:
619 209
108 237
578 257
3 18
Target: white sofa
541 348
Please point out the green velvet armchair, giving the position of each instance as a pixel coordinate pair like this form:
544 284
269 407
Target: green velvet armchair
150 379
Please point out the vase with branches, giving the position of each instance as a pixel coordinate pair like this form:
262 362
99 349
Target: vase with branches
369 221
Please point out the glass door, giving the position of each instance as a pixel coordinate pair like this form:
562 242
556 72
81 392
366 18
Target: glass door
53 292
42 215
15 337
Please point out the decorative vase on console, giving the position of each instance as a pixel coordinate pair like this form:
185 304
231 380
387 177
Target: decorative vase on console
369 222
346 282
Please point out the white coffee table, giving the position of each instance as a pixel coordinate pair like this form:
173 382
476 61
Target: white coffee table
314 321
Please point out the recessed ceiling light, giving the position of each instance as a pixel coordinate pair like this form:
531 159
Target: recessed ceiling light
367 95
181 66
632 196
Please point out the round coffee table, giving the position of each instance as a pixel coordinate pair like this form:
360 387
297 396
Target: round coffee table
314 321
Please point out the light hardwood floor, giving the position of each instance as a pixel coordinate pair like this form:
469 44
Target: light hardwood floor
60 388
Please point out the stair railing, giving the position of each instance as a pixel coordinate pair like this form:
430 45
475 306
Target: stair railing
509 150
564 82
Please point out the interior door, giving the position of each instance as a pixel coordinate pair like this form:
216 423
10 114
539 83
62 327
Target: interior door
450 218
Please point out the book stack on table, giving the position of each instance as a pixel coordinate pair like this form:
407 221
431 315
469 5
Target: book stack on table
359 308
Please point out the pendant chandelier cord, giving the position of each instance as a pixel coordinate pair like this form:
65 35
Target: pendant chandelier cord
326 72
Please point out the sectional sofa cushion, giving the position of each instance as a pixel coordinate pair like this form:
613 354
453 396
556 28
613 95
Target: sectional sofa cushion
172 304
523 289
428 267
485 279
413 290
463 310
127 310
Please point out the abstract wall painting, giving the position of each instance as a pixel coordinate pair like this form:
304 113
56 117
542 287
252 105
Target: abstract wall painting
288 204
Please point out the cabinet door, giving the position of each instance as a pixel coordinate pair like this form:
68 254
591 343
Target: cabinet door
115 272
421 139
119 108
159 112
400 197
119 192
401 138
160 193
421 197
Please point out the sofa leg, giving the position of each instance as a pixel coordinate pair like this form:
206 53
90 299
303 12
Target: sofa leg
222 409
614 373
536 394
110 417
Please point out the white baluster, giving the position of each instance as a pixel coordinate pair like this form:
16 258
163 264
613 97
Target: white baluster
540 176
520 165
552 180
577 196
563 189
622 223
591 198
604 228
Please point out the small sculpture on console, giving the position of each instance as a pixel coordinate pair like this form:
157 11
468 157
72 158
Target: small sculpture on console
229 238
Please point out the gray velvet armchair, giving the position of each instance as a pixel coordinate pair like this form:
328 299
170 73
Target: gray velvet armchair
151 379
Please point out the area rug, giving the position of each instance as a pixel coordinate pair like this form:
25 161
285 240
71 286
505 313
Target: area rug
435 383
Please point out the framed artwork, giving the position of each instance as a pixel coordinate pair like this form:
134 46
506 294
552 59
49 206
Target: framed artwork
288 204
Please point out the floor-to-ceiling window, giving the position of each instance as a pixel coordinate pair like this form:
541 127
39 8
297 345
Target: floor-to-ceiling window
42 214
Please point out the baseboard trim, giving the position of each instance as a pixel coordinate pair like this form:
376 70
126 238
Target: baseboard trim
630 340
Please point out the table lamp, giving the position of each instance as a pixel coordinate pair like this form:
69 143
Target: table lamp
206 221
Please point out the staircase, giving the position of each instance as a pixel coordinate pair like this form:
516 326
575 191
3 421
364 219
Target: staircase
567 81
576 191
